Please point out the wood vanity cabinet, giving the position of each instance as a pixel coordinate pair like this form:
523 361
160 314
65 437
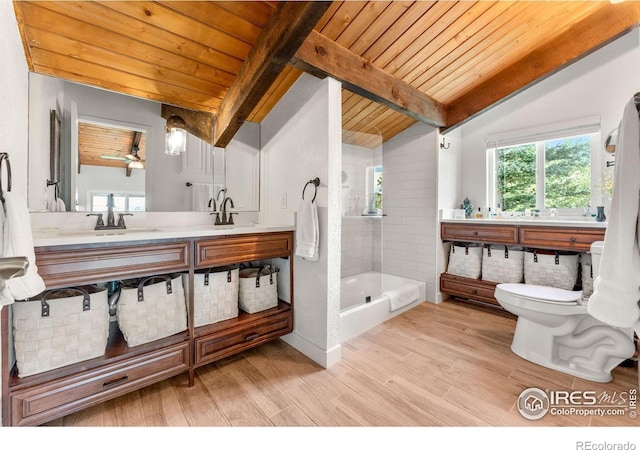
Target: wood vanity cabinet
529 236
42 397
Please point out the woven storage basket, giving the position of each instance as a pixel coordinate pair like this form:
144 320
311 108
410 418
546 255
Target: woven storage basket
151 308
555 269
587 275
258 289
60 327
215 294
465 260
502 264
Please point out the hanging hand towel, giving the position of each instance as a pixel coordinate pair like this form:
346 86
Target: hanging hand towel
201 193
18 241
307 231
616 292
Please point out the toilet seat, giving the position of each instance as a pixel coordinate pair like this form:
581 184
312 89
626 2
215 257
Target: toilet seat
543 294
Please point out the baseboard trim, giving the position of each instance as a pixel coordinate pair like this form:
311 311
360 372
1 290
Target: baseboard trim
326 358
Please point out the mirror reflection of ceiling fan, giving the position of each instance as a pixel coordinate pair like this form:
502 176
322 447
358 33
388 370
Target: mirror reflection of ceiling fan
132 160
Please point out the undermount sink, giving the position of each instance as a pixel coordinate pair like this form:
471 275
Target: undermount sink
107 232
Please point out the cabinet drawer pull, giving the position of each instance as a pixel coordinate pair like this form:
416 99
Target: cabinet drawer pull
474 292
572 239
250 336
116 382
475 233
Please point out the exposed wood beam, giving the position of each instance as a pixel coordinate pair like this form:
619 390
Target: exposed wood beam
588 35
277 43
199 123
321 56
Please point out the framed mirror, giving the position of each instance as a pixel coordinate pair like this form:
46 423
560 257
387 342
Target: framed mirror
165 178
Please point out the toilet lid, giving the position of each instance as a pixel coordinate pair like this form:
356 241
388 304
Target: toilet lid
541 293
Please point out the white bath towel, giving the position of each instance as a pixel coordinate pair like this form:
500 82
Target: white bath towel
52 204
18 241
307 231
403 296
201 193
61 207
616 292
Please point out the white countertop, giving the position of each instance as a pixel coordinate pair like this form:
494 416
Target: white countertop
539 221
58 236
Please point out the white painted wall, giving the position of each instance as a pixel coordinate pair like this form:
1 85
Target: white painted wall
597 85
14 98
449 190
409 198
301 140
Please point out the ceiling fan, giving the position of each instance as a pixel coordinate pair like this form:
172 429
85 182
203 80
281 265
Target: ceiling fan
132 159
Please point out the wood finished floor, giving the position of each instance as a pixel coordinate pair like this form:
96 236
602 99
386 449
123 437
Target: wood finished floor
436 365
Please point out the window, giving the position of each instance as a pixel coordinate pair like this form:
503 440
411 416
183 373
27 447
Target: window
374 189
122 201
542 171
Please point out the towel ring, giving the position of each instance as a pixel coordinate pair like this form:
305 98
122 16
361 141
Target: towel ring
316 183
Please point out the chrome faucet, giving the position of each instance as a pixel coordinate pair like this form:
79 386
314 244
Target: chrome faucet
111 225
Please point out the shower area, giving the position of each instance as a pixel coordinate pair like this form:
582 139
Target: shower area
369 295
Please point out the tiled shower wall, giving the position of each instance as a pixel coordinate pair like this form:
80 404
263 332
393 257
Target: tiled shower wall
410 205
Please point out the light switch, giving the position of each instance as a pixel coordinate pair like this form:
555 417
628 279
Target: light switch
283 201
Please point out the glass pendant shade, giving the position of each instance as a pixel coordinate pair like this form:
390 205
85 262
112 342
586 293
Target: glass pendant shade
176 137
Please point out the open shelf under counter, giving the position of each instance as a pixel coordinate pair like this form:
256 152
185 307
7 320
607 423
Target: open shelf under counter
69 261
570 235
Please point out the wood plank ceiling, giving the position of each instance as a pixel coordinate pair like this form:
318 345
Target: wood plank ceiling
461 56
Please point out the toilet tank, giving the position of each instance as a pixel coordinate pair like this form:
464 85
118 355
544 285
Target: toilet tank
596 252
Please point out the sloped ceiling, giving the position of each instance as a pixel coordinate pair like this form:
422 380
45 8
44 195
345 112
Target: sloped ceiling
441 62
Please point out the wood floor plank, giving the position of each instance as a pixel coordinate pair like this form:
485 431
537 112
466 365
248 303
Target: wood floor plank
199 406
292 416
448 413
231 397
435 365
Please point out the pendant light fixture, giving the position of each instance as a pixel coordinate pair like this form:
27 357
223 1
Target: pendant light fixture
176 137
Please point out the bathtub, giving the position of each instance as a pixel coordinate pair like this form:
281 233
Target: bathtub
356 314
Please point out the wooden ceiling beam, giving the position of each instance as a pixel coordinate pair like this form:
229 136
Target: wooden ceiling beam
586 36
321 56
277 43
199 123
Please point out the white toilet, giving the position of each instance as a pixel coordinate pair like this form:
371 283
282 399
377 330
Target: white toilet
555 330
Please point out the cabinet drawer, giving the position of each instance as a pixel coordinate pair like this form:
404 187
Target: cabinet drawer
578 239
39 404
66 266
468 288
236 249
500 234
227 342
